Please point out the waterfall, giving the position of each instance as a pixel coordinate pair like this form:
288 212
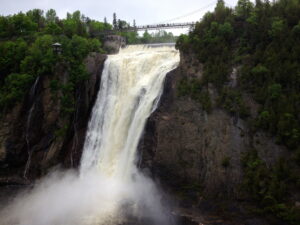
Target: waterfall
32 94
32 91
28 124
131 85
109 190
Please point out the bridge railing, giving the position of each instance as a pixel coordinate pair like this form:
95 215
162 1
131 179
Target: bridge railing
151 27
164 26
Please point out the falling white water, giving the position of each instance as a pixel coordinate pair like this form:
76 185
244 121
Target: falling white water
109 188
28 124
131 86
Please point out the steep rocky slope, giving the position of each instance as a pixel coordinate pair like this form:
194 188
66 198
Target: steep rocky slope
191 149
34 135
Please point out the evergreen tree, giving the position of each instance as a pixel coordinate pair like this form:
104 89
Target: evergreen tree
220 5
51 16
243 8
115 25
134 24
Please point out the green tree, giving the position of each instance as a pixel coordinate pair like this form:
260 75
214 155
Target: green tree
37 16
51 16
220 11
40 59
74 25
122 24
70 27
12 54
131 37
243 9
53 29
115 25
275 91
14 89
96 27
78 48
94 45
134 24
277 28
146 37
21 25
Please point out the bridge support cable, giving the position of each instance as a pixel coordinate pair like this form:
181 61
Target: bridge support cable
190 13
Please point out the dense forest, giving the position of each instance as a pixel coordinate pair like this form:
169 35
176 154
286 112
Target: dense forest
26 50
260 44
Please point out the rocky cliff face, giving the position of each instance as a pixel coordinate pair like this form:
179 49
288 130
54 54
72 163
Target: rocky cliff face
190 149
30 137
113 43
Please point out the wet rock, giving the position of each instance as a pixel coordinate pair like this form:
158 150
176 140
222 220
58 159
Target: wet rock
113 43
30 128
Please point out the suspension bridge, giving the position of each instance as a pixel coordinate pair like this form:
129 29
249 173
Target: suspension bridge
152 27
161 26
168 24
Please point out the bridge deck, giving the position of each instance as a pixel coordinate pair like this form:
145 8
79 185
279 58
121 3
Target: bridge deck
150 27
163 26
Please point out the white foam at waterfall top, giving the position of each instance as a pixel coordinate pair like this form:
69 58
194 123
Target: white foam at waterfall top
108 187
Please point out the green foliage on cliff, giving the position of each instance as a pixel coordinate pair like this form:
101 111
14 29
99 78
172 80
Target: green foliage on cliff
196 91
232 101
15 87
270 186
26 52
262 42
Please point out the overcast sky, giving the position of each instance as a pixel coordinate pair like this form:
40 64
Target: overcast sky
143 11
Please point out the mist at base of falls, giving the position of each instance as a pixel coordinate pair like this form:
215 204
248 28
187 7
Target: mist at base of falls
64 198
108 188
